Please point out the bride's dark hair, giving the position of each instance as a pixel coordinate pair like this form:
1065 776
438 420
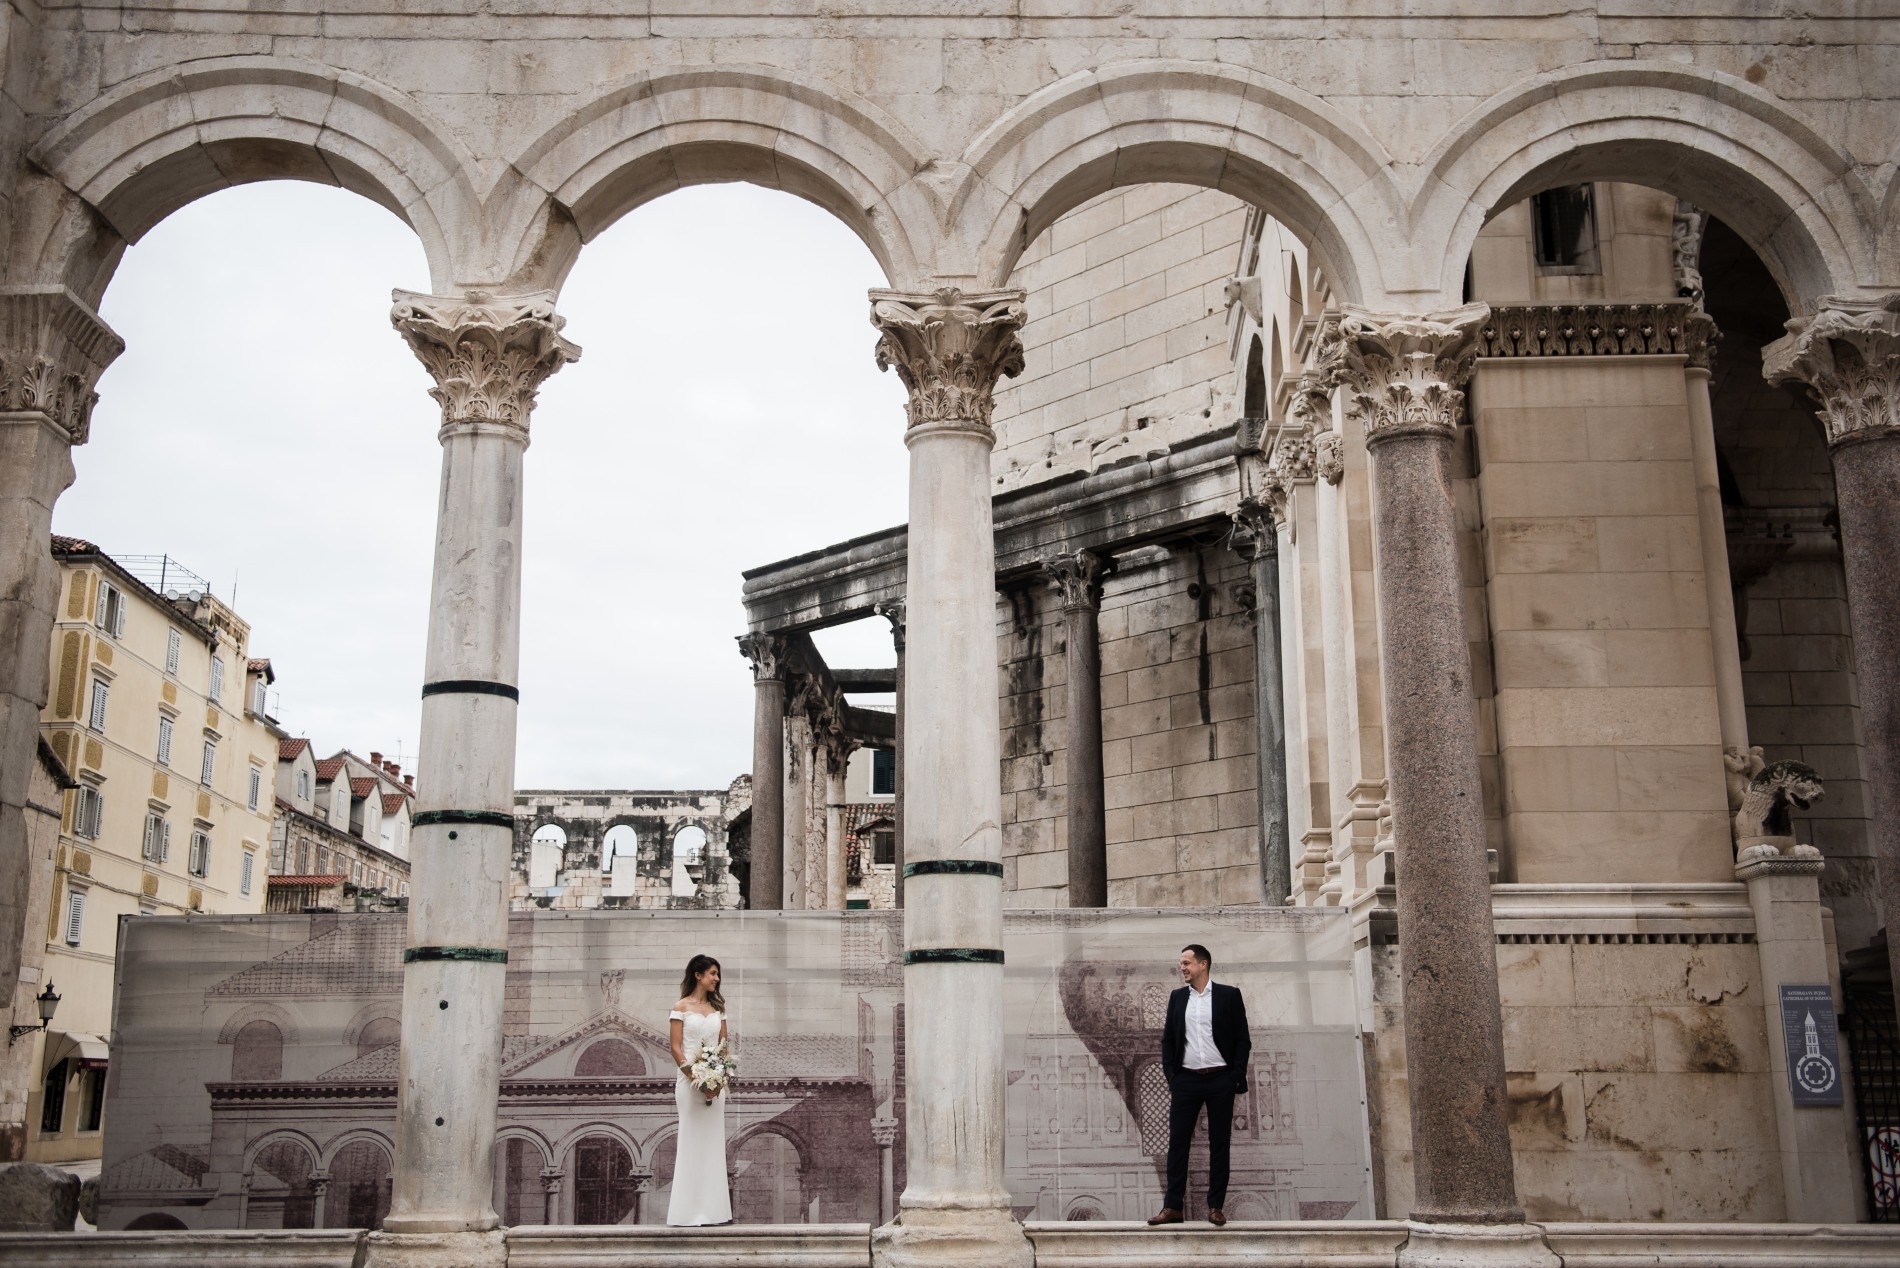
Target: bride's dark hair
694 967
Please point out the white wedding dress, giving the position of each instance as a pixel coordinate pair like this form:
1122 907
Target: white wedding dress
700 1195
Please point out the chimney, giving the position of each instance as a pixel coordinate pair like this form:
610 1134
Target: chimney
375 758
409 781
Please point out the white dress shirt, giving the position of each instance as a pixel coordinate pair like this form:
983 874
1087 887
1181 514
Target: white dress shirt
1201 1052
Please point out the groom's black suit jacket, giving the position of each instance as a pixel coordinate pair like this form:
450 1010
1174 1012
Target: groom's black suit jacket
1230 1033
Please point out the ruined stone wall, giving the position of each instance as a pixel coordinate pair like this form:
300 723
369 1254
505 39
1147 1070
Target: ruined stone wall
582 882
1127 349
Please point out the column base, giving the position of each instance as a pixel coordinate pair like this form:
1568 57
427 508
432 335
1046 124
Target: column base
919 1238
437 1250
1477 1246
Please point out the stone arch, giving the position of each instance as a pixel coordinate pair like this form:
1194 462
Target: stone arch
1711 138
344 1139
163 139
1260 139
595 1127
281 1136
652 134
390 1010
228 1033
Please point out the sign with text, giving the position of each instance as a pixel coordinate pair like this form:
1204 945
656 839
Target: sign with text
1813 1044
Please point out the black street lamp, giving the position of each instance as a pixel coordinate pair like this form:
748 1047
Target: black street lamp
48 1000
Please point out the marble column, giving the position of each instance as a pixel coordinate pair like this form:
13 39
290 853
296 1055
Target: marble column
766 883
1848 357
53 348
950 348
488 356
1403 376
1076 579
1724 637
1257 539
894 613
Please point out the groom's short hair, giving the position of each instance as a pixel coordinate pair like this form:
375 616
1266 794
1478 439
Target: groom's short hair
1200 953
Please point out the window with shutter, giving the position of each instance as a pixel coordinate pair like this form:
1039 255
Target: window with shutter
173 644
217 677
257 787
164 741
75 916
110 615
200 860
165 843
210 763
154 826
303 784
88 812
99 694
257 697
244 880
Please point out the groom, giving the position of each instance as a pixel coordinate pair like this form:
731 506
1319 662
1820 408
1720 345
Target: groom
1204 1051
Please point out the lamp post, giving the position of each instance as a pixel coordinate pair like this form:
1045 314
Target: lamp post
48 1000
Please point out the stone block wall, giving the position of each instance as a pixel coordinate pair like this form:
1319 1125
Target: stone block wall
1178 738
1126 348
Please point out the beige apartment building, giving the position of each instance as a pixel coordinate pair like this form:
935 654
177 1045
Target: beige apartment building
158 710
341 837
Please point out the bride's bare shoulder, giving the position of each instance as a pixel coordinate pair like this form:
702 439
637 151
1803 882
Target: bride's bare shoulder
684 1006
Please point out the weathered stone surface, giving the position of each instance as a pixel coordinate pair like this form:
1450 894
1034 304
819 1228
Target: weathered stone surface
37 1198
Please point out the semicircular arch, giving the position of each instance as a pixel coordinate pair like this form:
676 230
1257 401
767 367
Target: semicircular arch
518 1132
166 138
652 134
276 1016
1262 140
1707 137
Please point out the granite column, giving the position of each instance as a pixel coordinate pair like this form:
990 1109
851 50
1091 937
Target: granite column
950 348
1258 540
1848 356
766 878
1076 578
488 356
1404 378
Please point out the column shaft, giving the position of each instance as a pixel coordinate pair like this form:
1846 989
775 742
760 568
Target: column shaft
894 613
487 356
1724 639
1404 377
766 881
836 761
1260 542
949 349
1075 578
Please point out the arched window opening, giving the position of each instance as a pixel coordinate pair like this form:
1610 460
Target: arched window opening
610 1058
604 1190
689 847
1296 299
257 1054
770 1183
379 1033
282 1194
1255 404
1085 1209
619 859
521 1195
155 1222
359 1189
546 852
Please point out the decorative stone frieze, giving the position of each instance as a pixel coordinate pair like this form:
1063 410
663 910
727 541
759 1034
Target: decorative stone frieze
1293 458
1405 374
1310 405
950 348
1600 330
1848 357
767 654
489 354
53 349
1329 457
1077 577
1685 249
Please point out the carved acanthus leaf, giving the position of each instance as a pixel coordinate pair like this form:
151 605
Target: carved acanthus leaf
1076 576
1848 357
767 653
1685 245
1405 374
1329 457
53 348
950 348
489 354
1256 534
1600 330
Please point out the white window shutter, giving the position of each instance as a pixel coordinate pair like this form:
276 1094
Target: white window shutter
217 677
244 884
118 615
165 843
75 916
164 741
210 763
172 645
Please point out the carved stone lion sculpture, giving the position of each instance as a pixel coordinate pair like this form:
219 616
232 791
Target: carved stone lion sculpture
1764 822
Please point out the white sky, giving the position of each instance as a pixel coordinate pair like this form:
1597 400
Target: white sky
266 427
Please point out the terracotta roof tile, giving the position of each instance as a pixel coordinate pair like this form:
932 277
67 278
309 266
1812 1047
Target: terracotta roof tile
392 802
328 768
361 785
287 749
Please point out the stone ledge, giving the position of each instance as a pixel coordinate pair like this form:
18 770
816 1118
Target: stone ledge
657 1246
1274 1244
1712 911
237 1248
1725 1245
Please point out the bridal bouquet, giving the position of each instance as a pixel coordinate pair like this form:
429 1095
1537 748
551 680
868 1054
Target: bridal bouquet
713 1068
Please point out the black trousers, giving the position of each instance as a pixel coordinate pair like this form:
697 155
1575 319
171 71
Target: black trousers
1191 1090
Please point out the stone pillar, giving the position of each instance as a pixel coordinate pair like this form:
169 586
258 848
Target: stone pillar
767 883
319 1187
894 613
949 348
1077 579
488 355
551 1178
1258 540
837 760
884 1135
52 350
1848 356
1404 377
1724 638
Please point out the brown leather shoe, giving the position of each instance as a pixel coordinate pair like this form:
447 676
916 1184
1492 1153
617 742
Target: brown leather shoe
1168 1216
1216 1217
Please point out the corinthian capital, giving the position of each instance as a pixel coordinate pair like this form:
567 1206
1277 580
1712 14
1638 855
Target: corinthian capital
489 353
767 654
52 351
949 348
1848 356
1256 535
1404 375
1077 578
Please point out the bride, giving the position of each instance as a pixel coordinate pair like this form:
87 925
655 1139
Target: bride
699 1162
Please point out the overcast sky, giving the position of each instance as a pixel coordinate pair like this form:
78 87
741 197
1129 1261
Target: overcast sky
268 429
